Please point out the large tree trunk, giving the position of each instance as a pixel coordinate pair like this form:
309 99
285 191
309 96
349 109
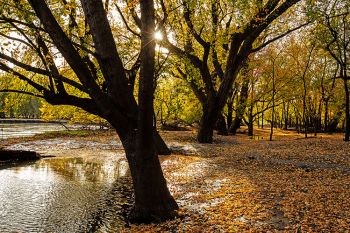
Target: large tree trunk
297 127
153 201
305 121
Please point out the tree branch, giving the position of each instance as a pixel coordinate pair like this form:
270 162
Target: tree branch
198 91
278 37
67 49
22 92
126 23
37 86
108 58
40 71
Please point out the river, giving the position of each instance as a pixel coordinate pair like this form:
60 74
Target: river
15 130
85 188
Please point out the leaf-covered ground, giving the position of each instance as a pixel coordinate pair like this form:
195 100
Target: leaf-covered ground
242 184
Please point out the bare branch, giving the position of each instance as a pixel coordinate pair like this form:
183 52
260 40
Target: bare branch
22 92
278 37
165 14
196 35
40 71
16 39
126 23
9 70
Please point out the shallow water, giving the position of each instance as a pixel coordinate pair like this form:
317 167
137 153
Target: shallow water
14 130
65 194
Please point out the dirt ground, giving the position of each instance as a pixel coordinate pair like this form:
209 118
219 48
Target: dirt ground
249 184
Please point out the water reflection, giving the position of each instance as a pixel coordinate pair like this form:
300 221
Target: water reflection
67 194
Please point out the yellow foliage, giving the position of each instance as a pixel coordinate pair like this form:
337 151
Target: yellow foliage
71 113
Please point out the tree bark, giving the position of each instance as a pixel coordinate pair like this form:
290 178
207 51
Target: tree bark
208 120
161 146
153 201
235 125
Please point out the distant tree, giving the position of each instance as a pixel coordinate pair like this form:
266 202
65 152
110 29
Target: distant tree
175 103
24 107
216 39
334 35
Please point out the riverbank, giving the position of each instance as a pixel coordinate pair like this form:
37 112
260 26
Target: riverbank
238 184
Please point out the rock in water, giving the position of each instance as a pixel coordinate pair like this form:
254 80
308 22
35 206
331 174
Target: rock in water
18 155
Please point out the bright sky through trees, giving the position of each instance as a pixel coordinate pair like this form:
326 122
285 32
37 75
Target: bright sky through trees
158 36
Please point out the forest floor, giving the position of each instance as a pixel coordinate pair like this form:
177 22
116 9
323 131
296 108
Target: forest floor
242 184
249 184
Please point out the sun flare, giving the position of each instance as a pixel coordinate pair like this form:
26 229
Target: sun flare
158 35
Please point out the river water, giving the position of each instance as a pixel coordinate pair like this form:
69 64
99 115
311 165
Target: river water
16 130
85 188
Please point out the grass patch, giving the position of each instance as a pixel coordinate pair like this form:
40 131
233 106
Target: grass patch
66 133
